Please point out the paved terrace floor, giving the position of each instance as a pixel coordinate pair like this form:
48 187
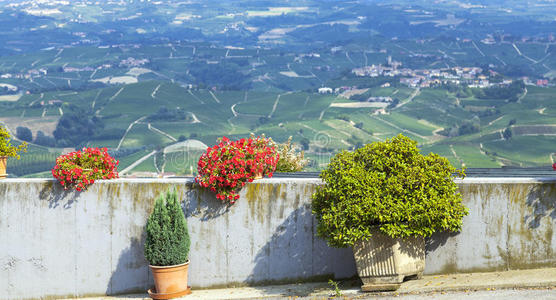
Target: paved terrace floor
521 284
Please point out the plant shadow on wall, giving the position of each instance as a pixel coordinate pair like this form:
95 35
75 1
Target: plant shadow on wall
289 257
131 259
543 204
438 239
56 195
202 204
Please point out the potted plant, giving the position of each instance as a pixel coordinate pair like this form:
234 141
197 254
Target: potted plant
7 150
80 169
167 247
382 200
229 165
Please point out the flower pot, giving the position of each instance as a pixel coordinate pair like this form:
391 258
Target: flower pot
170 281
384 262
3 163
258 175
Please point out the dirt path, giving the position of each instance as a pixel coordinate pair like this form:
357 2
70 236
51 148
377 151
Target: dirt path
233 110
276 103
477 47
503 62
153 94
95 100
35 101
456 156
156 130
349 58
116 94
128 129
195 119
409 99
109 100
492 122
93 74
274 106
304 105
138 162
522 55
195 96
322 113
522 95
214 97
366 59
399 128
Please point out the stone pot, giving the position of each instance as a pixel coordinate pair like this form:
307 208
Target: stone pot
3 164
170 281
384 262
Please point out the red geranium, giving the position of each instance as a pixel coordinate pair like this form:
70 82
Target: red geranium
228 166
81 168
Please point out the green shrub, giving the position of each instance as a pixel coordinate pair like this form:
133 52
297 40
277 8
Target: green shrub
167 241
6 148
387 185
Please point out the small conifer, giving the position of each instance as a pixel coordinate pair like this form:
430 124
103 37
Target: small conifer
167 241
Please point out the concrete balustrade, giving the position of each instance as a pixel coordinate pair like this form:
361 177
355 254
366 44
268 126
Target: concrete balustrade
64 243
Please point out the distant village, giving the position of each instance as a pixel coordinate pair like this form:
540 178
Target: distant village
472 77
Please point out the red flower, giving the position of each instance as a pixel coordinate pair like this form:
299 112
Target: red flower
80 169
229 165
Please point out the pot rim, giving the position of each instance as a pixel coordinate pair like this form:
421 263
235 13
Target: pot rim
166 267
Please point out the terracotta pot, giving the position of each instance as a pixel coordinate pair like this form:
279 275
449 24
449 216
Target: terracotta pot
258 175
170 280
3 163
383 263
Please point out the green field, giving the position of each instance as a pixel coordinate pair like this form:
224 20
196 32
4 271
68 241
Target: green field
147 76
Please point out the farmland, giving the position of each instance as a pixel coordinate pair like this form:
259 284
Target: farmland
149 80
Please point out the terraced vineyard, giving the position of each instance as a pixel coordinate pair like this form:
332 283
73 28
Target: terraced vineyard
158 81
309 117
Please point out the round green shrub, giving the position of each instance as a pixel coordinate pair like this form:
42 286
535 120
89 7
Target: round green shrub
167 242
390 186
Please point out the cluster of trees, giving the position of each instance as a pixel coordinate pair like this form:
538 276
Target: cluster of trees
192 135
510 92
23 133
6 91
508 133
77 126
76 85
166 114
467 127
225 75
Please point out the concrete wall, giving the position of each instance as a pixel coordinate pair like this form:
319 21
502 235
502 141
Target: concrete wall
58 243
511 225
